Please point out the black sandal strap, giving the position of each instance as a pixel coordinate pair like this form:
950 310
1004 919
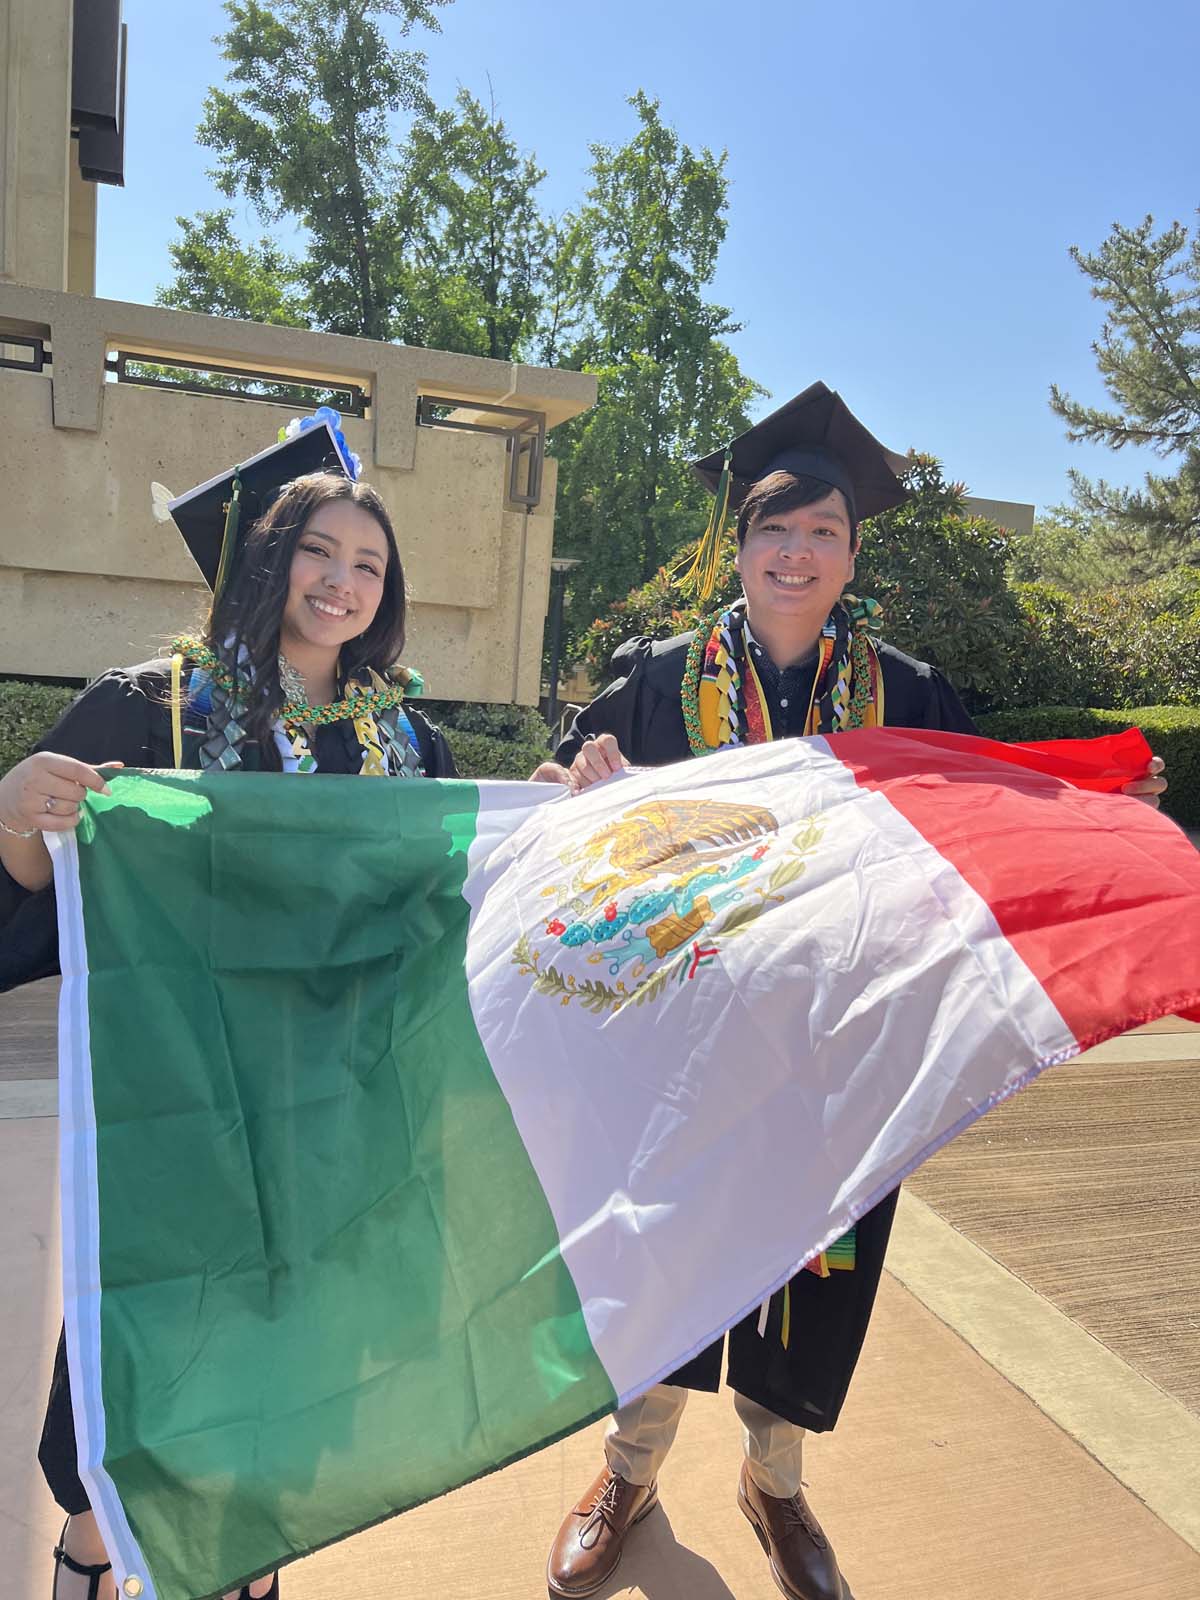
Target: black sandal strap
94 1572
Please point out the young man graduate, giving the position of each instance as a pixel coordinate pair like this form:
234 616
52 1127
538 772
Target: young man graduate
797 655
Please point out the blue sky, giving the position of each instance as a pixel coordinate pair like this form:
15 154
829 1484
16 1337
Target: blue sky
904 182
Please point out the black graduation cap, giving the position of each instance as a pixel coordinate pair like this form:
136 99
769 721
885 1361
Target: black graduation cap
816 435
204 514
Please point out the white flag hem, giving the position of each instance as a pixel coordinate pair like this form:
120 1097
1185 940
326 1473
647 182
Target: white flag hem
81 1223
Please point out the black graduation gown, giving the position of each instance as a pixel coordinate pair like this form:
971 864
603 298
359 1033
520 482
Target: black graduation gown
807 1381
125 716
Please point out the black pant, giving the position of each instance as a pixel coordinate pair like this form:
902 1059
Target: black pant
60 1463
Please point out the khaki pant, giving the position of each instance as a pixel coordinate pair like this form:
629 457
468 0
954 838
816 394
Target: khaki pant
641 1433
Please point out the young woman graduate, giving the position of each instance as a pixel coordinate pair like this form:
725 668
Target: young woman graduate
796 655
294 671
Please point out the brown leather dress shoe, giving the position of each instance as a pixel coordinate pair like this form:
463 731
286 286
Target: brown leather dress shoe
590 1541
802 1560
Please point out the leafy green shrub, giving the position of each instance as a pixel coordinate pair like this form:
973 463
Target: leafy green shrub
1063 662
479 756
487 741
1153 635
1116 647
501 741
1173 732
27 711
1084 551
659 610
522 723
940 577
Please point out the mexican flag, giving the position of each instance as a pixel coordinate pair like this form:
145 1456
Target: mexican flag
409 1126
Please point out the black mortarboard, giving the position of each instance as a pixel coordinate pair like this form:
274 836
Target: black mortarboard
818 436
203 514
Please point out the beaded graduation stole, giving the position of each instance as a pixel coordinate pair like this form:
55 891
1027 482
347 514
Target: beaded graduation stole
385 735
723 700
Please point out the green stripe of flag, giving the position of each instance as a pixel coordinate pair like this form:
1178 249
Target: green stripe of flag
308 1314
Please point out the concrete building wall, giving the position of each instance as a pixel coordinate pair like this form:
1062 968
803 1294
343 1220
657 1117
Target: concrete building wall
89 579
1014 515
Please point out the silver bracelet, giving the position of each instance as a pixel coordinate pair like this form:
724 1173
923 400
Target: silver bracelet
16 833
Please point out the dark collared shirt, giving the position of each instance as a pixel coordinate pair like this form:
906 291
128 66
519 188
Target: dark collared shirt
788 690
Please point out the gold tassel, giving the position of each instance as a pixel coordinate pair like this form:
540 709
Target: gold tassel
177 708
232 513
701 575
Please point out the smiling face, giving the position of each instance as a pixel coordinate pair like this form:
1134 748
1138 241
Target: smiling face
794 565
335 583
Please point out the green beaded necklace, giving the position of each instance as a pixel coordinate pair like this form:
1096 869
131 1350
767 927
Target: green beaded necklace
361 702
691 686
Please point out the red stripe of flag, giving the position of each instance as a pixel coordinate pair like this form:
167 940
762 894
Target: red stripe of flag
1097 892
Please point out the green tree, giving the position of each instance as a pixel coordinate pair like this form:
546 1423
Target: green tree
1082 551
478 271
939 575
670 388
1148 354
569 283
434 238
304 131
215 273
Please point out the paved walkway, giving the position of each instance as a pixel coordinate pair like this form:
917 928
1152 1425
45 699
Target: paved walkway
1023 1425
1087 1186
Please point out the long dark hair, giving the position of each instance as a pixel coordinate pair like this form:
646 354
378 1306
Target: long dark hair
243 624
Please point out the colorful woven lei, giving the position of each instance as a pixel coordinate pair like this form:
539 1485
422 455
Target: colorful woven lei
723 700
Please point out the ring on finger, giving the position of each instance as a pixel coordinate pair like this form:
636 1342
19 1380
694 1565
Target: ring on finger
50 802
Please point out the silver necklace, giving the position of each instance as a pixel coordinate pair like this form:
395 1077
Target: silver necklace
291 682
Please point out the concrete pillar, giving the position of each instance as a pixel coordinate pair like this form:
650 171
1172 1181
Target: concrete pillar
81 243
36 154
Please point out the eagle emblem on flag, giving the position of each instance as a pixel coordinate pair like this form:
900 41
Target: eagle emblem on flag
650 895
